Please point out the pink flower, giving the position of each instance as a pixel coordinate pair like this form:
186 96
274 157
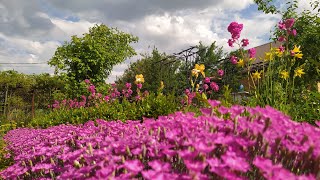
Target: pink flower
206 80
214 103
220 72
234 59
281 48
138 98
230 42
205 87
87 81
281 39
214 86
187 91
293 32
139 86
235 29
289 23
281 25
252 52
128 85
245 42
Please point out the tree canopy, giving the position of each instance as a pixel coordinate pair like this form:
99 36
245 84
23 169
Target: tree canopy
93 55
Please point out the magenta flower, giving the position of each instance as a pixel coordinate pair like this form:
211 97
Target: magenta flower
214 103
235 29
87 81
107 98
289 23
234 59
214 86
134 166
281 39
293 32
281 25
205 87
252 52
206 80
128 85
245 42
281 48
221 72
139 86
230 42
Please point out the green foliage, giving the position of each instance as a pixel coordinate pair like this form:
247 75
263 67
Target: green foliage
155 68
93 55
150 106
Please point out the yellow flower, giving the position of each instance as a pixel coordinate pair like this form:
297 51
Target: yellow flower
268 56
279 52
298 55
241 62
198 69
284 74
298 72
256 75
296 49
139 79
161 85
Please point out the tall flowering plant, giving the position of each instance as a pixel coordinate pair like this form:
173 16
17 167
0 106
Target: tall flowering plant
273 83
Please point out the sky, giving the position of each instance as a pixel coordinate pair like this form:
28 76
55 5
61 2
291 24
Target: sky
31 30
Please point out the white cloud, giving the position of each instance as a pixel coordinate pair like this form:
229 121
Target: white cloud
32 33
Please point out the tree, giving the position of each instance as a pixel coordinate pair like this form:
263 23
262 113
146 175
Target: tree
155 68
93 55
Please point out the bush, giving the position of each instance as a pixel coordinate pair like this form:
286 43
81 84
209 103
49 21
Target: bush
150 106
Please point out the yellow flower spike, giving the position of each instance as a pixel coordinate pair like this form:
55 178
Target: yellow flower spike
284 74
241 62
256 75
298 72
139 79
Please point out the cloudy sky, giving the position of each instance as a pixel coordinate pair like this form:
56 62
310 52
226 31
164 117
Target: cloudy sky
31 30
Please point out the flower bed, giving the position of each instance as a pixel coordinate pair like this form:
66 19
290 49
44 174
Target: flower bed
232 143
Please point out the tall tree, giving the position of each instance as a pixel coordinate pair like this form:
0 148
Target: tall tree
93 55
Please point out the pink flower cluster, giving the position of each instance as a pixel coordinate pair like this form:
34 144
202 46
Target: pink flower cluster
287 27
235 29
222 143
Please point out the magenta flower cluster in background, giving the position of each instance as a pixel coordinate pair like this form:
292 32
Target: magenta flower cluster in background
95 98
235 30
231 143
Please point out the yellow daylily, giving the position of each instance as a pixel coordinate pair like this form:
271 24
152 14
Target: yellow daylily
298 72
296 49
284 74
279 52
268 56
139 79
241 62
256 75
298 55
198 69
